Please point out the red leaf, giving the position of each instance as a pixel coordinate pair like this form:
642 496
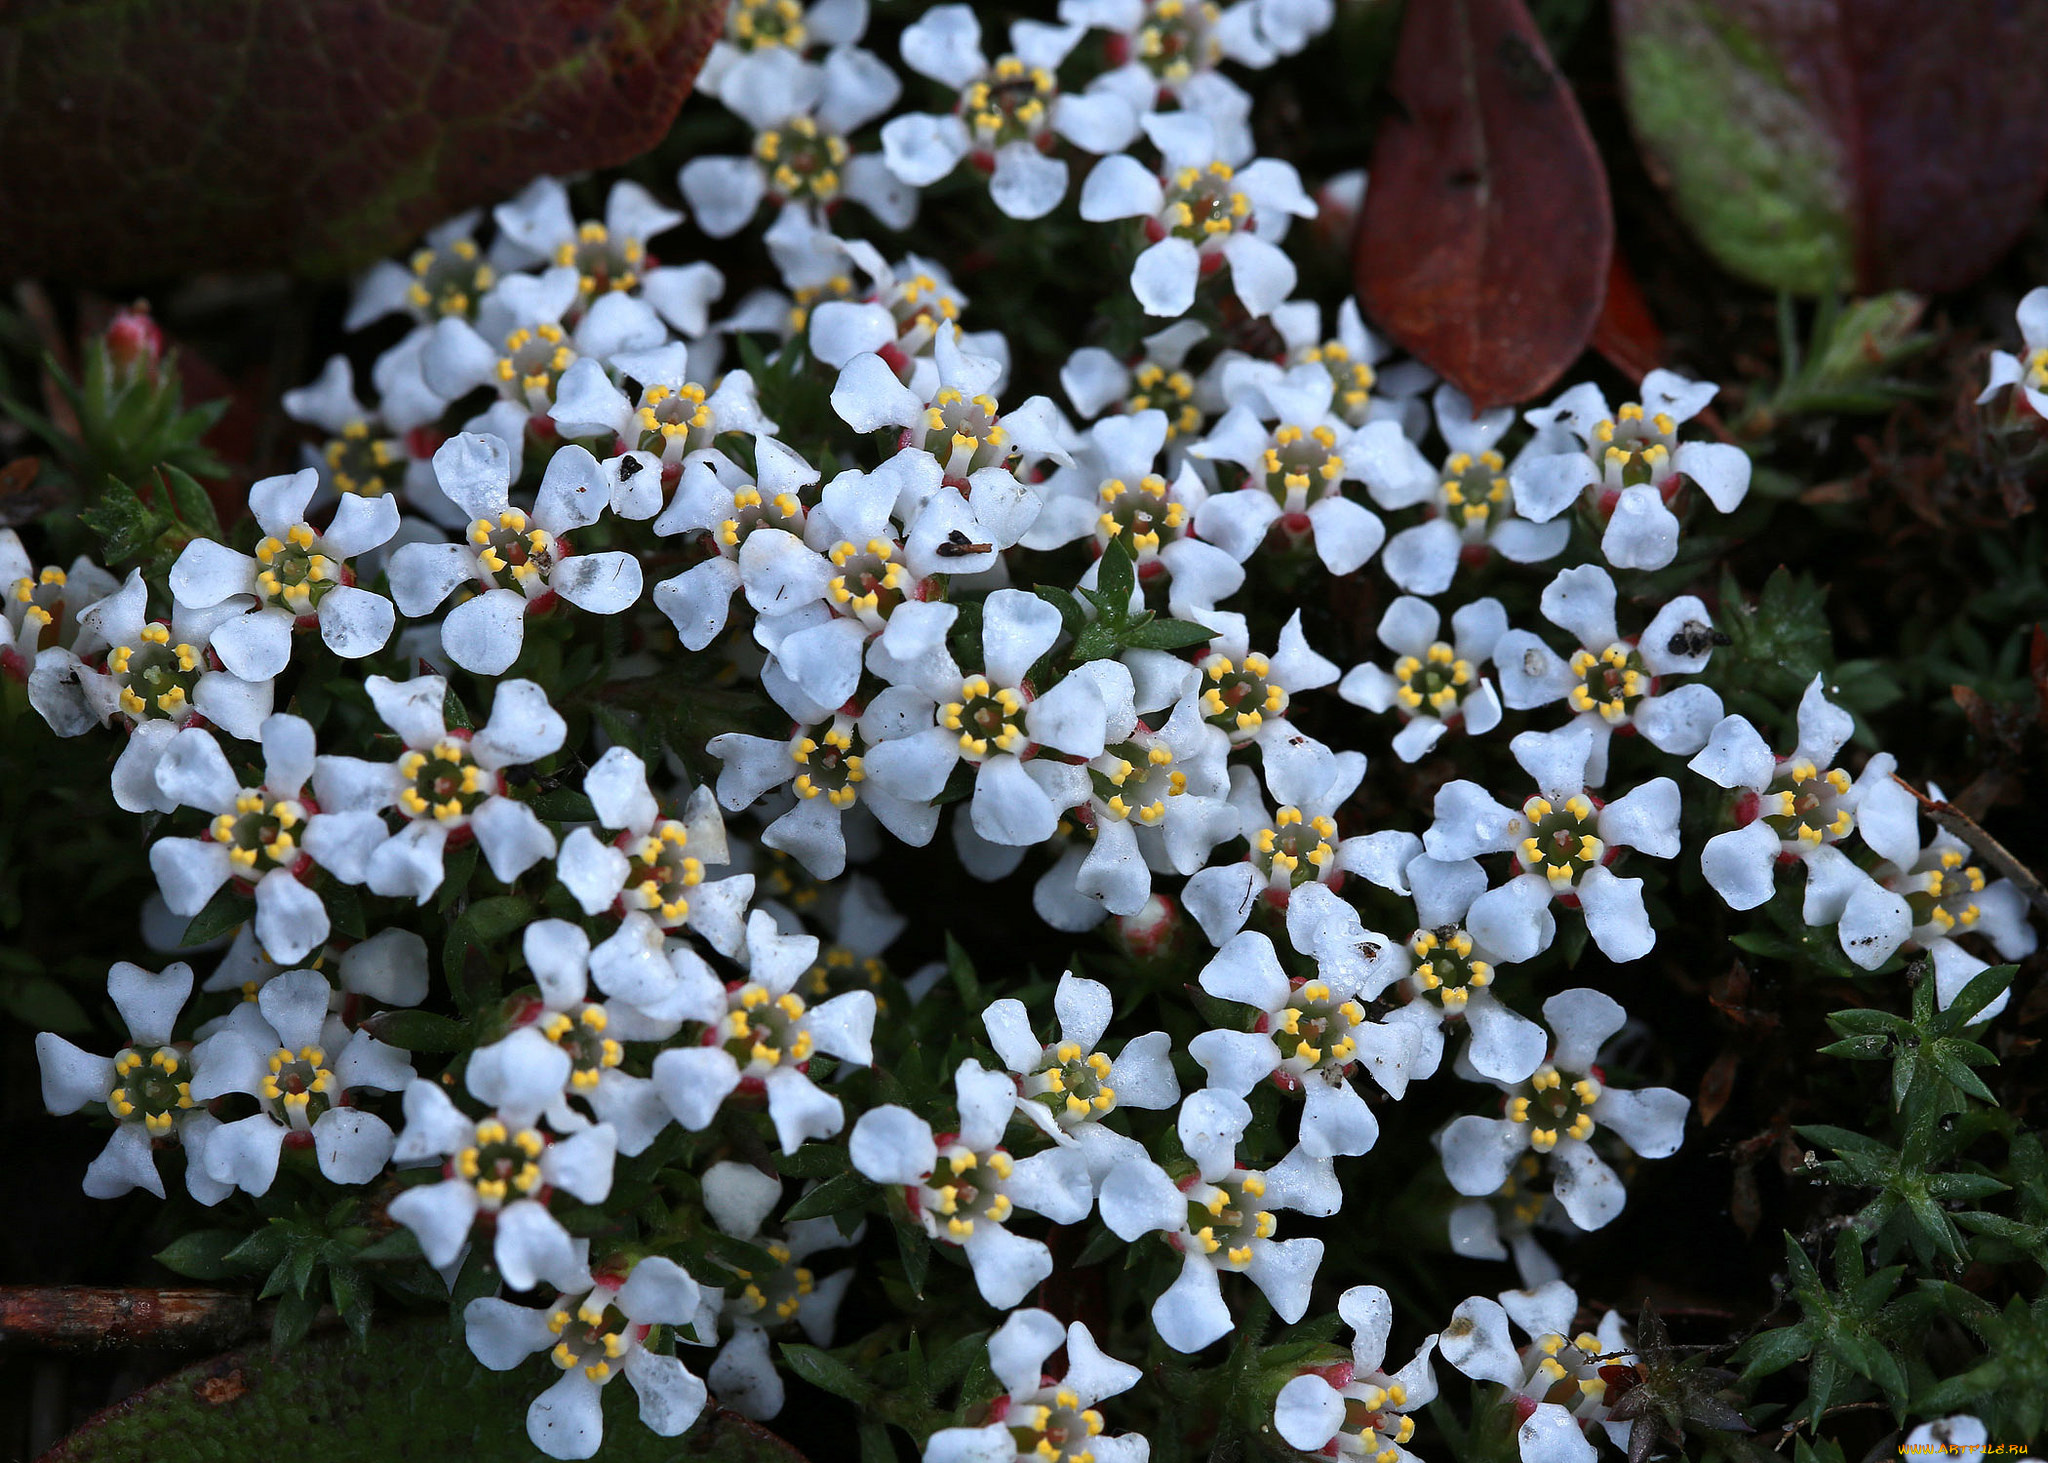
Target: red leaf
1626 334
151 137
1877 144
1486 234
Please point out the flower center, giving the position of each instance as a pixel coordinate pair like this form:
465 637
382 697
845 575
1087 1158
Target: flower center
513 556
1224 1218
831 764
1173 392
593 1336
965 1188
501 1163
1374 1425
921 305
1947 894
1564 1371
781 1291
1561 845
1201 204
963 433
1433 682
870 582
750 511
1474 492
839 969
803 298
1302 466
39 601
673 422
1237 698
534 360
2037 369
803 162
582 1036
1611 682
445 783
448 280
761 1029
154 1088
1551 1109
1353 379
1142 516
659 872
985 717
157 678
260 828
1009 104
362 464
1805 806
1179 38
294 577
1295 849
300 1087
1059 1433
1313 1030
1634 448
1072 1084
1134 781
1445 968
604 263
758 25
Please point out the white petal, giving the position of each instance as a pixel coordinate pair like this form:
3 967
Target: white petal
1164 277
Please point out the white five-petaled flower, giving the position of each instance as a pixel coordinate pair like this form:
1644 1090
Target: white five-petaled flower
802 113
1611 682
1629 464
512 563
1067 1088
39 611
1039 1419
592 1334
1220 1217
1471 513
300 575
1009 114
2029 373
1563 840
502 1168
1434 685
449 783
672 418
963 1187
1308 1036
370 452
300 1063
1478 1343
1557 1109
1200 215
537 229
146 1087
1367 1412
1452 976
759 1035
270 838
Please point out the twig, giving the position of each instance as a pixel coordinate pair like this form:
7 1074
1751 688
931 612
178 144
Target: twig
96 1318
1954 820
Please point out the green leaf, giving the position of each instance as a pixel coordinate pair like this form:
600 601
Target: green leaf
1072 617
1116 577
826 1371
1098 642
190 503
419 1031
849 1190
1773 1351
125 524
1168 635
1984 988
407 1394
203 1254
563 805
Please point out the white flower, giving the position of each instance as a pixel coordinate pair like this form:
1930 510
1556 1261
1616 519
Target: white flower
146 1088
593 1334
450 783
1308 1036
728 508
1959 1436
1315 1409
1466 496
156 677
1097 382
1246 693
672 417
271 838
1629 464
1039 1418
998 722
1066 1089
446 276
300 1064
537 229
1350 357
1563 841
964 1190
1009 114
512 566
1557 1110
655 864
39 611
1200 214
520 346
1294 474
367 453
756 29
802 113
1436 686
502 1167
1793 808
1478 1344
761 1033
1169 49
1612 682
1454 974
2030 374
1238 1228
